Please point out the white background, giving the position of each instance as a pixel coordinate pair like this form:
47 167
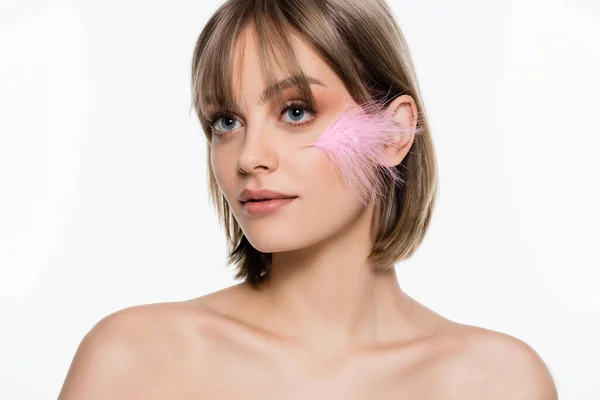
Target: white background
103 189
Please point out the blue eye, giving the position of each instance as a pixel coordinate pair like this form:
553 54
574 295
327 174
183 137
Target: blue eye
222 124
296 110
225 123
295 113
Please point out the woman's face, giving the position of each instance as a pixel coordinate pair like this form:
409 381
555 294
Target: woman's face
263 149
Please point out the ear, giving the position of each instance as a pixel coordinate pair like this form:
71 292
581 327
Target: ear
403 111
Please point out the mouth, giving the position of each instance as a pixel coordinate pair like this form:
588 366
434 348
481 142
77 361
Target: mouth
267 199
265 206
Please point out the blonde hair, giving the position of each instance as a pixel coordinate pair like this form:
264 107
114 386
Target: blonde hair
361 42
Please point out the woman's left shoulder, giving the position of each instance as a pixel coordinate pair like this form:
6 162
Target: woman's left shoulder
495 365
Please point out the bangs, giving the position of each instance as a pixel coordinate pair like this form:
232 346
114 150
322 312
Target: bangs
212 75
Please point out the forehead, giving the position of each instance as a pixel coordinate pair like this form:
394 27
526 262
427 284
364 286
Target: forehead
248 69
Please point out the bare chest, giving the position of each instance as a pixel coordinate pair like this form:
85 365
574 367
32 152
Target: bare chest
302 388
277 378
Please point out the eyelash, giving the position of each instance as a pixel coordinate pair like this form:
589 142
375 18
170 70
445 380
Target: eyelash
298 104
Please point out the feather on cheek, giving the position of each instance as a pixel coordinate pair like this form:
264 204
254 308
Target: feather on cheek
355 143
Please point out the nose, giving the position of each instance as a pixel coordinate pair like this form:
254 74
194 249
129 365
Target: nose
257 153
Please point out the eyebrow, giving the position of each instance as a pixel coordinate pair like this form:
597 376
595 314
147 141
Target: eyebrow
279 86
274 89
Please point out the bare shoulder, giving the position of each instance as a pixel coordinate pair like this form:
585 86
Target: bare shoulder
494 365
125 353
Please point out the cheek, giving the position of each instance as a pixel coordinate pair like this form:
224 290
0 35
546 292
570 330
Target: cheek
355 144
224 174
327 191
215 165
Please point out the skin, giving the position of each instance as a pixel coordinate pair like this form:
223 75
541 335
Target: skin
326 325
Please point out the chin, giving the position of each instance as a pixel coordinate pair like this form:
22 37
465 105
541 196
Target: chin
273 240
272 243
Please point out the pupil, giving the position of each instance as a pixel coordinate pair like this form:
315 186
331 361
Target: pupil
296 112
228 122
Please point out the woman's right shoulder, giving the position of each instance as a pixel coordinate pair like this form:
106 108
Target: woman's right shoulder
128 353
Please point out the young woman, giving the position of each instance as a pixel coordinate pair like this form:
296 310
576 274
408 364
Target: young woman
323 172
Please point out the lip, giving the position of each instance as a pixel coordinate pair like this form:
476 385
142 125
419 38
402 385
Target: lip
262 194
266 207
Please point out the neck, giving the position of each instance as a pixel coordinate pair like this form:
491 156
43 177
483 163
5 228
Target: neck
328 296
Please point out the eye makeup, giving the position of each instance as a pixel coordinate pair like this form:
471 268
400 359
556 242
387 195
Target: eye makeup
295 104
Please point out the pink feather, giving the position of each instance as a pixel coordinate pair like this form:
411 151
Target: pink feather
355 144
